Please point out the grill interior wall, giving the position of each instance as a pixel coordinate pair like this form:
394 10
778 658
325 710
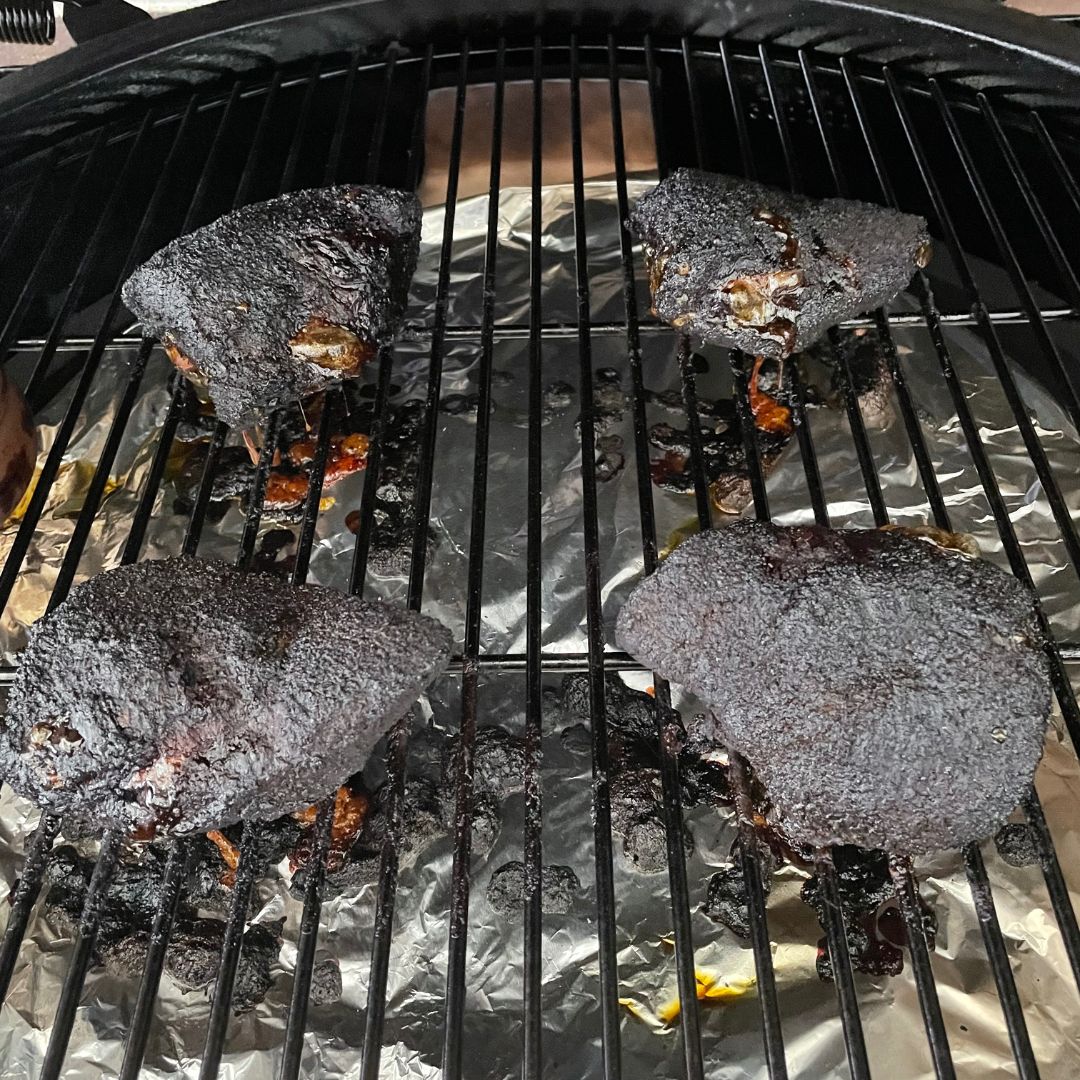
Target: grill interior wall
113 195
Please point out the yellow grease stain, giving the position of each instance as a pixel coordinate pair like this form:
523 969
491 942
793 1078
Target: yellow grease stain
709 989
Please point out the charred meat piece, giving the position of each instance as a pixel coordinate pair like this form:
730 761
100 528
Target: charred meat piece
217 696
281 299
887 692
765 271
558 886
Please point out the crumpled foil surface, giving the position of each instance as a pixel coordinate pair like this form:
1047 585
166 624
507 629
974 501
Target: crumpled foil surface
493 1020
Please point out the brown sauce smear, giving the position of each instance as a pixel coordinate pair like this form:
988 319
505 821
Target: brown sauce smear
784 230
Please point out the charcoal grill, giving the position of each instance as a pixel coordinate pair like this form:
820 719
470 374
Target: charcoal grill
968 117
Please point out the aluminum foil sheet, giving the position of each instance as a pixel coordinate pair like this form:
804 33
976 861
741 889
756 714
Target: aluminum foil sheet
493 1021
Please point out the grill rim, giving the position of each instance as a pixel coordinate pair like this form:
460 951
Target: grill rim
963 40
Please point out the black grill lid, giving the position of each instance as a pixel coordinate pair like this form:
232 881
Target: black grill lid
971 41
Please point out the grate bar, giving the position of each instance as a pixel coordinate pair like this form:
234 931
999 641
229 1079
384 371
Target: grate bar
138 1034
333 157
45 170
96 490
1031 440
1031 200
907 892
459 889
746 153
231 945
237 917
840 958
752 851
510 331
976 871
24 537
378 133
77 542
93 909
532 1053
605 885
1065 175
999 959
143 1015
398 740
1017 563
1011 263
749 432
293 1049
818 503
772 1034
835 929
906 885
442 300
668 727
313 886
1055 882
21 899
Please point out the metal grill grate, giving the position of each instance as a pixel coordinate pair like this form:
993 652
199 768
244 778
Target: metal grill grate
997 184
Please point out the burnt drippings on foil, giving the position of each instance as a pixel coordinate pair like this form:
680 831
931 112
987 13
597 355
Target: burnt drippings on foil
427 812
637 795
394 520
874 925
723 443
355 859
848 361
1018 844
326 984
826 370
289 477
610 403
194 951
726 900
507 889
875 928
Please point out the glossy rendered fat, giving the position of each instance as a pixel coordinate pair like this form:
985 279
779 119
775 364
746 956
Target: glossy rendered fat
181 695
240 304
762 270
887 693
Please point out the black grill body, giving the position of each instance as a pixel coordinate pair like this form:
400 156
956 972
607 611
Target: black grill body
968 118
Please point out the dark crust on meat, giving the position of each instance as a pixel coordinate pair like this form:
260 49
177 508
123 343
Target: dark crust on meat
888 694
184 695
826 259
230 297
